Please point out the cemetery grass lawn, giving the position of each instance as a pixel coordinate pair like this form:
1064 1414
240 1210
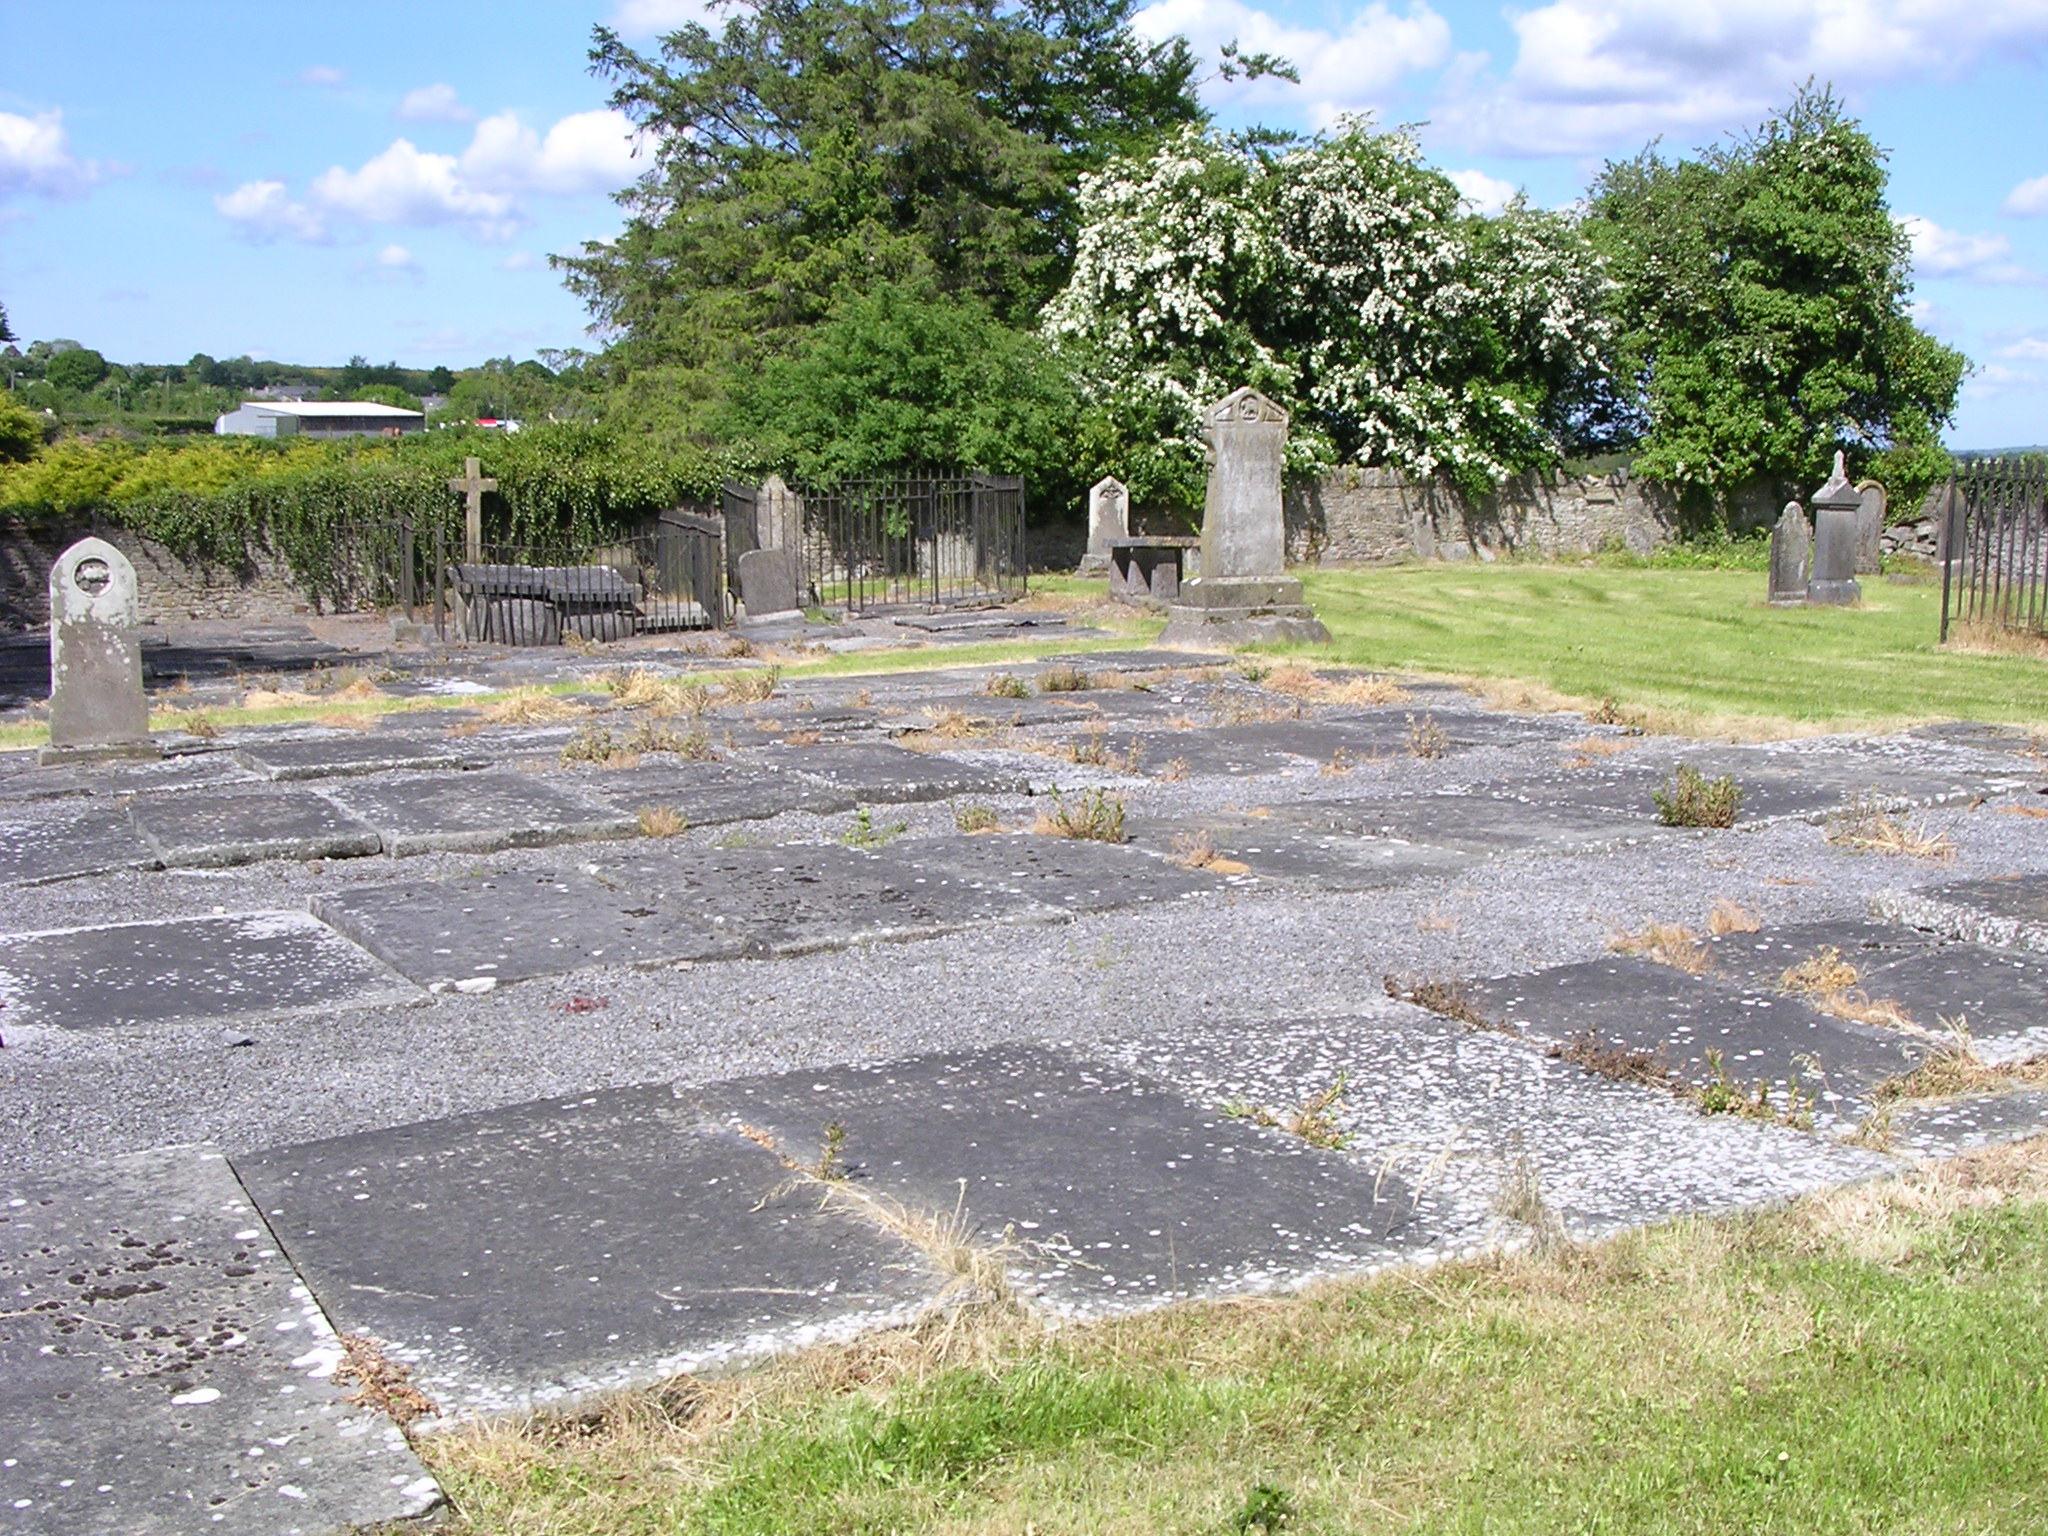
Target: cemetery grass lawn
1869 1359
1697 647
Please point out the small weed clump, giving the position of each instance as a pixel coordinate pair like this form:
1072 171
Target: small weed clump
1448 998
1098 817
865 834
1341 762
1732 917
1671 944
595 744
644 688
694 744
381 1382
1692 799
1866 827
530 706
1092 749
753 687
1611 1059
1956 1068
1315 1122
957 724
1588 751
196 724
975 818
1723 1094
1062 680
1197 850
662 821
1006 685
1426 739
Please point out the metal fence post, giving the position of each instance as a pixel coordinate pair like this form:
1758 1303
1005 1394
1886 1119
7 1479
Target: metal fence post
1944 545
440 582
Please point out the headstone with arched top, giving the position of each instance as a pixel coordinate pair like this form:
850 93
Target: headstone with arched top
97 706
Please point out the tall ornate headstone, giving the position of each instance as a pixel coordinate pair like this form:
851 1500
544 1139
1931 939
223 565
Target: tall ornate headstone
97 706
1791 558
1109 517
1836 508
1244 592
1870 527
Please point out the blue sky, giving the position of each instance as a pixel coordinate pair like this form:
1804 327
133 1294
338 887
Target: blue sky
308 182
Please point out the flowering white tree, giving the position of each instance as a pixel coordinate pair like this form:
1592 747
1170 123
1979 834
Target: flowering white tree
1341 277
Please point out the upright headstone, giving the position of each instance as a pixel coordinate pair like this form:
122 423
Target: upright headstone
1244 592
1836 508
1870 527
97 707
778 515
1791 558
768 582
1109 517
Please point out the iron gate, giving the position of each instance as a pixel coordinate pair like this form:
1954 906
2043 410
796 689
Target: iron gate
1994 546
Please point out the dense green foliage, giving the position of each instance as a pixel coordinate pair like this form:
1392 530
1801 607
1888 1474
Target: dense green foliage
21 431
813 149
1762 313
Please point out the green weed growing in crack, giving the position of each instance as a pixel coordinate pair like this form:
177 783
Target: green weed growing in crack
865 834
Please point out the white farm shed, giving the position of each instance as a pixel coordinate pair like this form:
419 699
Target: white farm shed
318 418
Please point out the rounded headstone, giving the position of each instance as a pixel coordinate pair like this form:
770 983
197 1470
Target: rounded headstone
96 697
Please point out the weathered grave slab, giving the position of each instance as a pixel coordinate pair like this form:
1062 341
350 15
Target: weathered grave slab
1469 1114
1944 1127
194 770
1252 851
206 828
894 775
1989 992
1075 876
572 1246
1178 754
476 813
1113 1190
2010 739
712 794
1141 659
251 964
49 842
1649 1007
1474 824
987 711
162 1371
1760 960
2011 911
345 756
516 925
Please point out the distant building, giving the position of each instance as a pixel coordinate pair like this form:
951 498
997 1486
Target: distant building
319 418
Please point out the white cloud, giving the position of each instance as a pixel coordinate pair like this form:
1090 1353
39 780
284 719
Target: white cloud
1597 75
436 103
478 193
521 261
1487 194
1341 71
2032 349
586 152
644 18
2028 200
322 74
1939 252
35 156
396 258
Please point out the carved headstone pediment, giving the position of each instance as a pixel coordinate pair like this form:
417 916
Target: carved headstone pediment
1243 405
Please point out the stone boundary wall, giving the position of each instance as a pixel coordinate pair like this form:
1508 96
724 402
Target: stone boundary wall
170 589
1379 515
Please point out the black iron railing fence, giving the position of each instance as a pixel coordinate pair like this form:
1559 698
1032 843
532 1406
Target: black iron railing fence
1994 546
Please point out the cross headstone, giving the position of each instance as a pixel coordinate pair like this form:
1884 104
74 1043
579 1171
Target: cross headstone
1870 527
1244 592
1109 517
1791 557
471 487
1836 508
97 706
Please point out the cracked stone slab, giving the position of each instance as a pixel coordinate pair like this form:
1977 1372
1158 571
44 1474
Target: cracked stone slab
212 969
206 828
1475 824
346 756
1464 1113
476 813
884 775
712 794
2011 911
1114 1190
65 842
1073 875
570 1246
988 712
1276 849
187 770
1945 1127
163 1372
1759 1035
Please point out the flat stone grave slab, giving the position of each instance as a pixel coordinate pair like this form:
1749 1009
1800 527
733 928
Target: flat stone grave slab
1142 659
573 1246
52 842
2012 740
1195 753
1990 992
515 925
1944 1127
1071 874
113 779
476 813
1650 1007
1110 1189
1166 705
1760 960
343 756
1473 824
885 775
1251 851
1464 1112
213 828
163 1372
2011 911
990 711
710 794
211 969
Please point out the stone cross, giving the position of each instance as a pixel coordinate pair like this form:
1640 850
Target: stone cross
471 487
1791 557
1109 517
1836 508
97 707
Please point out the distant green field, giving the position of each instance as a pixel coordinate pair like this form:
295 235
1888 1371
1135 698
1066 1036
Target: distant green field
1698 643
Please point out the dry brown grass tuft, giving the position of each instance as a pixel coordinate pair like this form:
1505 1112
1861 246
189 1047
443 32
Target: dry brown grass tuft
752 687
1097 817
1980 639
1732 917
662 821
1426 739
382 1383
1302 684
531 706
1315 1122
1867 827
1822 972
956 724
644 688
1828 982
195 724
2036 811
1176 769
1612 1059
1197 850
1448 998
1341 762
347 720
1671 944
1956 1068
277 698
1062 679
1589 751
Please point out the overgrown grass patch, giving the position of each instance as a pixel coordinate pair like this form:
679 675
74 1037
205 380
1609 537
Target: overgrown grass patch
1874 1359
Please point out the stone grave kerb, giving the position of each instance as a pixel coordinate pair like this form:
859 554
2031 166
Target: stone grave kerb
97 706
1837 509
1109 517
